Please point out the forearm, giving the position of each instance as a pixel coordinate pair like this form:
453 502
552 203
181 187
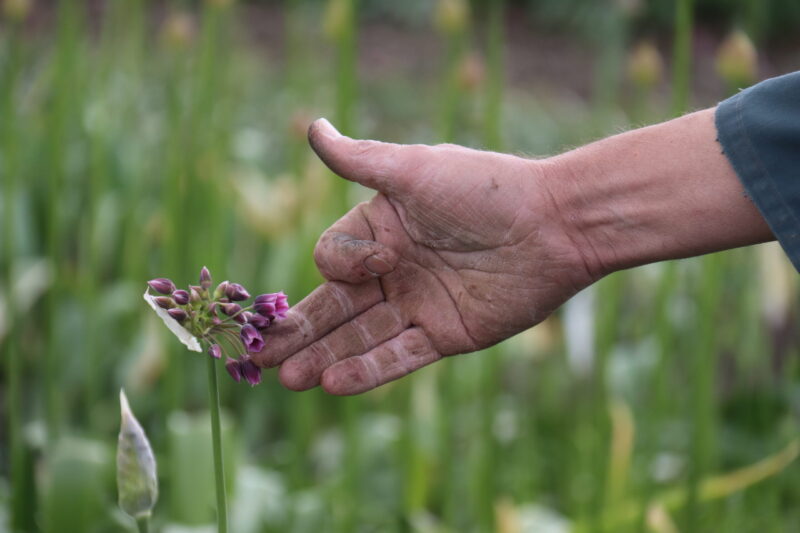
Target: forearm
661 192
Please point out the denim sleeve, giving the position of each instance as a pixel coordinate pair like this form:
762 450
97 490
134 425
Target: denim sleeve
759 130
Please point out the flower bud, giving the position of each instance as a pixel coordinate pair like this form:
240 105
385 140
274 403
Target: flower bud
471 72
258 321
178 30
162 285
737 59
281 304
251 338
205 278
137 483
221 289
181 297
234 368
178 314
215 351
212 308
272 306
236 292
17 9
337 18
452 16
645 66
251 372
164 302
194 295
230 309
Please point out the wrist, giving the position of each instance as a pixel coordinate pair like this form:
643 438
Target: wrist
661 192
572 206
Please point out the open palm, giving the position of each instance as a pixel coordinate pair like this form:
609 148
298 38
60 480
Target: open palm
459 250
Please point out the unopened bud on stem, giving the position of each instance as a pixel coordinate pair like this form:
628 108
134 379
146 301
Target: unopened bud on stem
137 482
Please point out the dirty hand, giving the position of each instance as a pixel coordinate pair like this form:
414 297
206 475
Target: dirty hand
458 250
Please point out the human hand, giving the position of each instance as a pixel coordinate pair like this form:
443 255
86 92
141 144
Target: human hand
458 250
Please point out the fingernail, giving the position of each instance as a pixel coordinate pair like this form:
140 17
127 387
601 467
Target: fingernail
377 266
327 128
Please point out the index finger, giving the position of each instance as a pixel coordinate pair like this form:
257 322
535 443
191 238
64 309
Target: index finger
329 306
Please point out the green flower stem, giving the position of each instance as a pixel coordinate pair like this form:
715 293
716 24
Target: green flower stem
219 467
143 523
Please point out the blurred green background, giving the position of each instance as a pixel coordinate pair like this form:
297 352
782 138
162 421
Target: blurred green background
142 139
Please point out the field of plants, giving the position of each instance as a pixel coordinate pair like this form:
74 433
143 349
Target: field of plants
140 139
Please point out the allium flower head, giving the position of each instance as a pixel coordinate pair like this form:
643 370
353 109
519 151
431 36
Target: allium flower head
215 318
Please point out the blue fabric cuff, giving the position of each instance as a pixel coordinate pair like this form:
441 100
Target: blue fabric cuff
759 130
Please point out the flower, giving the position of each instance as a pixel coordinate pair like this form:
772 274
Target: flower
178 314
272 305
230 309
221 290
205 278
164 302
251 338
181 297
258 321
201 318
215 351
234 368
162 285
137 482
251 373
236 292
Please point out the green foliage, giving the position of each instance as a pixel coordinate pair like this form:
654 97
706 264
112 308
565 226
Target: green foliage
140 145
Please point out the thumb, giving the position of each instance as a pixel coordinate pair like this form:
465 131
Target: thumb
374 164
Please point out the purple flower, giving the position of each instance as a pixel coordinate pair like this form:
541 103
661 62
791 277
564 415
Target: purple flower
236 292
281 304
164 302
205 278
265 309
181 297
194 295
162 285
259 321
215 351
250 371
251 338
272 305
178 314
221 289
230 309
234 368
